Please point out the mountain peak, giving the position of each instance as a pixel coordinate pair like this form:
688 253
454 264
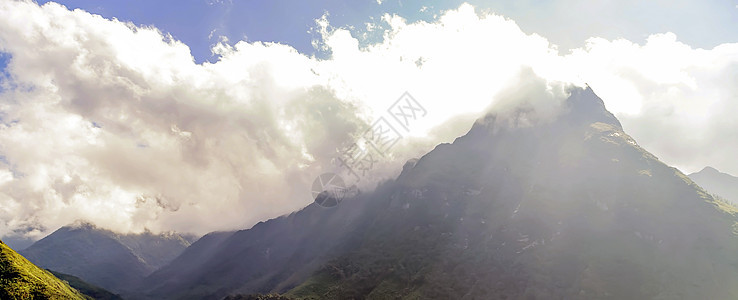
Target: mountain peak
81 224
585 106
581 108
717 183
709 169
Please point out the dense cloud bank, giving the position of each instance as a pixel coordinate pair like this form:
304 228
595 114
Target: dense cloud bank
114 123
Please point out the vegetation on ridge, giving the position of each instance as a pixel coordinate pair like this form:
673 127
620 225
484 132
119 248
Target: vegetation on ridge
20 279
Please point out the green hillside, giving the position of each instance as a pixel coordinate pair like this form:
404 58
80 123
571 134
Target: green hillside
20 279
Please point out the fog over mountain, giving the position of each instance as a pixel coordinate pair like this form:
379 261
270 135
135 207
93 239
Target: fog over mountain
530 203
115 123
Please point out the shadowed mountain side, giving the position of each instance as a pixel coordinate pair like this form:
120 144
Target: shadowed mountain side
274 255
92 291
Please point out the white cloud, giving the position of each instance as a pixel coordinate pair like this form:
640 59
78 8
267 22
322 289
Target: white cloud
677 101
116 124
174 145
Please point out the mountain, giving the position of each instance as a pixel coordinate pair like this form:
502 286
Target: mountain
722 184
521 207
105 258
570 209
273 255
20 279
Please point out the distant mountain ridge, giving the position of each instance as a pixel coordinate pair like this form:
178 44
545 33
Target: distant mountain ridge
101 257
87 289
719 183
20 279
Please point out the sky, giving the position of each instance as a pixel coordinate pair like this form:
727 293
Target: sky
196 116
565 23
